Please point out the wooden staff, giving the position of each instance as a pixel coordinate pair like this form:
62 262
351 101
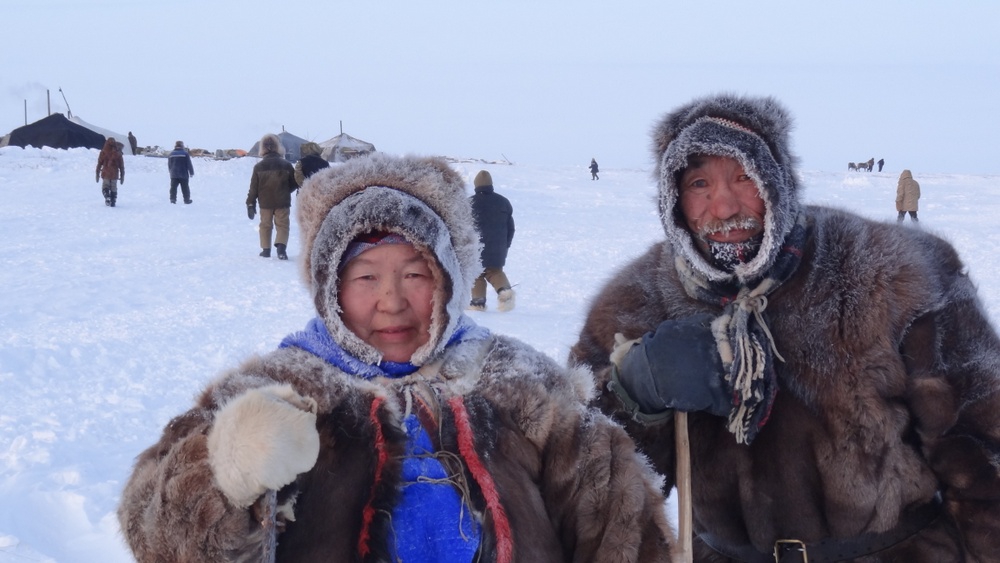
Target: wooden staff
685 532
269 523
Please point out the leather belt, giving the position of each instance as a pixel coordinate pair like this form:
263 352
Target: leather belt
832 549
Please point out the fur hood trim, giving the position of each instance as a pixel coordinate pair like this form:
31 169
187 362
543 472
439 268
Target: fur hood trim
310 148
423 200
753 131
270 143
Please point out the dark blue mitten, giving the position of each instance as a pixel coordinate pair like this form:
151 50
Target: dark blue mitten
677 367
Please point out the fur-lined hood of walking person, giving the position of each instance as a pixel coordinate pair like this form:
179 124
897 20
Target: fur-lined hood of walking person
273 179
840 374
393 427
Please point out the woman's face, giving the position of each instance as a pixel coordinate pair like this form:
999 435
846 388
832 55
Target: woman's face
386 295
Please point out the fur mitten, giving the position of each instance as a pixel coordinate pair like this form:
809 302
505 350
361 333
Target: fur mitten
262 440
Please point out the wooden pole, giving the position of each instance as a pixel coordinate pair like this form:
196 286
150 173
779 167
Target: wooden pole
269 523
685 531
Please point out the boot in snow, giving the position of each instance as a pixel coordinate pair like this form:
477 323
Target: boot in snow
506 299
266 253
477 305
281 251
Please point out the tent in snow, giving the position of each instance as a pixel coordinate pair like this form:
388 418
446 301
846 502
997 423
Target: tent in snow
291 143
57 132
123 139
344 147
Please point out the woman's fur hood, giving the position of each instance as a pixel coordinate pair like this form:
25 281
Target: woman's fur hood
755 132
423 200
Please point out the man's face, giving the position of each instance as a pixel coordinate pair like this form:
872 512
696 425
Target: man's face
720 202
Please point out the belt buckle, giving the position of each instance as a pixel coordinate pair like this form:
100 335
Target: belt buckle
783 546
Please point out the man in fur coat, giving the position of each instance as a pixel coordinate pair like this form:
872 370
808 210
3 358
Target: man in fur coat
393 428
842 378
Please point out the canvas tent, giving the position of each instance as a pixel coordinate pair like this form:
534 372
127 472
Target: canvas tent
123 139
57 132
343 147
291 143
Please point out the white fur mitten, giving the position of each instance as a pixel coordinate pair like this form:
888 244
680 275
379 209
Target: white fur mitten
262 440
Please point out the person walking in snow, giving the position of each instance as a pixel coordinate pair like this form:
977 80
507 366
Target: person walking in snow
494 217
181 170
594 170
841 376
881 162
110 170
393 428
272 184
310 163
907 196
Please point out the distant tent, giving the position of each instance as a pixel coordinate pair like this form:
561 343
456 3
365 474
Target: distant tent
57 132
289 141
123 139
344 147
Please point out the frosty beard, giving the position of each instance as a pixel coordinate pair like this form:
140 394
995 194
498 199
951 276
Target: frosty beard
727 255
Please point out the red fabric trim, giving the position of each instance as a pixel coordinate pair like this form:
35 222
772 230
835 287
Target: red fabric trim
368 514
466 447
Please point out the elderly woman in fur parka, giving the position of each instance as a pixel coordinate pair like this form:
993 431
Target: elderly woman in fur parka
841 377
393 428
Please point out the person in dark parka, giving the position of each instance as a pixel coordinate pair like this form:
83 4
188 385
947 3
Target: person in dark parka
133 143
310 163
495 221
181 169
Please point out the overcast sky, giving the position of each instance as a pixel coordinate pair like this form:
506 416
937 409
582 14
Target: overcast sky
914 82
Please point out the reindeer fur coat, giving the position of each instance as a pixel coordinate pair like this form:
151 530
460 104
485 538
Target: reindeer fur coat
889 391
547 478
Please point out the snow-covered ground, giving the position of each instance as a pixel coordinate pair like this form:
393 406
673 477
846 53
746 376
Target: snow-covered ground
111 320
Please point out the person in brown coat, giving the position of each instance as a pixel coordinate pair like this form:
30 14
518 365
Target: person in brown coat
907 194
840 375
110 169
272 184
393 428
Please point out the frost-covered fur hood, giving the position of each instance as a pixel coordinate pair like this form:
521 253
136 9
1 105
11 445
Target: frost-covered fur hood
755 132
271 143
423 200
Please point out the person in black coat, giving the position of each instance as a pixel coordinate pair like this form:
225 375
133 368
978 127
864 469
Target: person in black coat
594 170
494 217
181 169
310 163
